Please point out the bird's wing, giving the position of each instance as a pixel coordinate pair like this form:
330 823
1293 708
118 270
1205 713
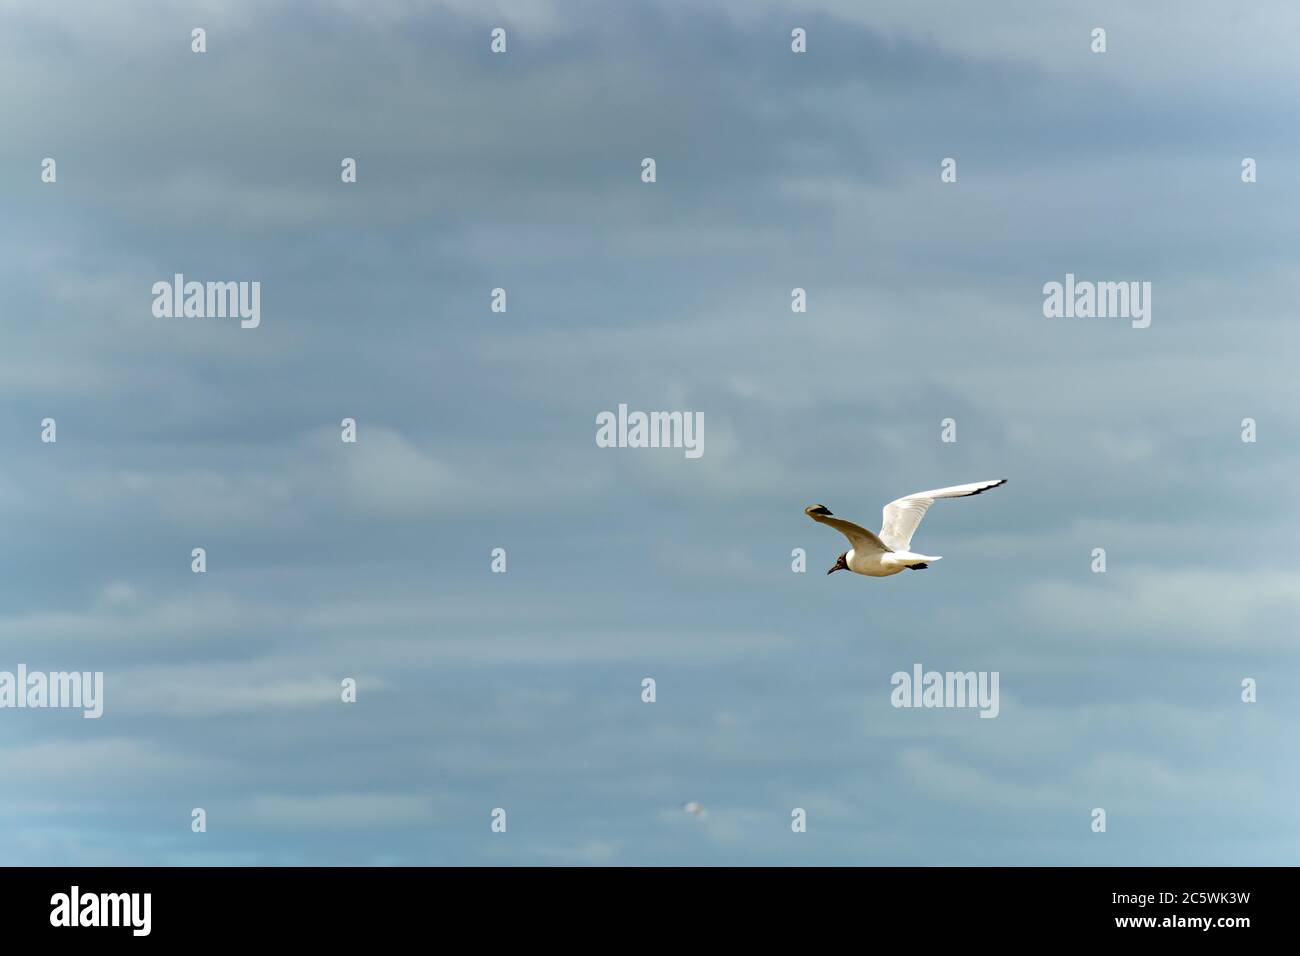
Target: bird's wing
860 538
904 515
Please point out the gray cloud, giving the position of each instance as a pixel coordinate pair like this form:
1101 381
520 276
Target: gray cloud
477 431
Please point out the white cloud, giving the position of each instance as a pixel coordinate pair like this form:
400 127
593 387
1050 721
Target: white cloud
363 811
111 763
1180 607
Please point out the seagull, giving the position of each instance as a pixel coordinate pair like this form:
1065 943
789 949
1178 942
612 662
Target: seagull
879 556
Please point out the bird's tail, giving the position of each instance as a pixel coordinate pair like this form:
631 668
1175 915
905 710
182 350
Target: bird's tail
909 558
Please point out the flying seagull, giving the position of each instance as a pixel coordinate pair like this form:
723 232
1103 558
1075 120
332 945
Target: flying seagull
879 556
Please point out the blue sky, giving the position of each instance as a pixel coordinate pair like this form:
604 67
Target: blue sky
476 431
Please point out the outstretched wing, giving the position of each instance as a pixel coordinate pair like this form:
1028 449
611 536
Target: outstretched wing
904 515
860 538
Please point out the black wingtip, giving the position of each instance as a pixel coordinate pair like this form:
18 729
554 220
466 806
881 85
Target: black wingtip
818 510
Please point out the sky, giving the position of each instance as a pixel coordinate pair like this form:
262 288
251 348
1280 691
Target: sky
476 430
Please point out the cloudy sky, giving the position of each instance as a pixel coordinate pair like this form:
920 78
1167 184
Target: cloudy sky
476 431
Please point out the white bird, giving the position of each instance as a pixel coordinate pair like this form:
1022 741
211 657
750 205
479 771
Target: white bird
879 556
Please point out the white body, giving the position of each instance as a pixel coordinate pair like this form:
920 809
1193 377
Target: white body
876 564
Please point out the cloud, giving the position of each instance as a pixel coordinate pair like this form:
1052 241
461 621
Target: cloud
365 811
584 853
219 689
389 475
476 430
117 763
1184 607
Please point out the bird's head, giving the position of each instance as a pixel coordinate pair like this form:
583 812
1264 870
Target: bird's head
841 564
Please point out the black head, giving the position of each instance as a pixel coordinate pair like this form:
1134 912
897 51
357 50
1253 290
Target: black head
840 564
